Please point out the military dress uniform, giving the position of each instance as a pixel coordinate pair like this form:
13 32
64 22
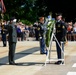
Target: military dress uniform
12 40
4 33
41 29
60 35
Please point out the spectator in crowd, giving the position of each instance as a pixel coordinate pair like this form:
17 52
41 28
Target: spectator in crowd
74 32
0 34
27 32
22 32
36 31
19 32
70 31
32 32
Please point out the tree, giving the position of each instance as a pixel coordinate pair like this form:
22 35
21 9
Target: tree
25 9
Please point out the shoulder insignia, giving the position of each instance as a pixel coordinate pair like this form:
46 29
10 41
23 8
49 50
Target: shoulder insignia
58 25
38 28
63 27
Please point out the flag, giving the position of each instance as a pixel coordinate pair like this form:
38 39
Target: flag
2 7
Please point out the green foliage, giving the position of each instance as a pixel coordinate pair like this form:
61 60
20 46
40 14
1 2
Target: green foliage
28 9
50 27
26 22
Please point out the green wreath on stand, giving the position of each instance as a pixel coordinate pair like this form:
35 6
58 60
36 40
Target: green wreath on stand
50 27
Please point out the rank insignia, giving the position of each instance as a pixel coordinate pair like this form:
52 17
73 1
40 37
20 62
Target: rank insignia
63 27
38 28
58 26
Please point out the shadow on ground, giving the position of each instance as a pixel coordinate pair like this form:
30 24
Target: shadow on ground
4 60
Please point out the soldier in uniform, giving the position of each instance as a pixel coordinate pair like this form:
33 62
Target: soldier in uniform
4 33
41 29
60 35
36 31
12 40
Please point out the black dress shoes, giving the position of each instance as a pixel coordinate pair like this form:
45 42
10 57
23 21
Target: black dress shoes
12 63
43 53
4 45
59 62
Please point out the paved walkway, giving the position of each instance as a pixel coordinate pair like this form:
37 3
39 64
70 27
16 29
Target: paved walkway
31 62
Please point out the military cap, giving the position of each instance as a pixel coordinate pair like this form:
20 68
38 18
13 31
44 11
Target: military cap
12 18
58 14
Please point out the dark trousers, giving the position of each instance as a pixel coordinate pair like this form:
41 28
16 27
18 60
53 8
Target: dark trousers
58 50
22 36
4 39
12 47
42 45
37 35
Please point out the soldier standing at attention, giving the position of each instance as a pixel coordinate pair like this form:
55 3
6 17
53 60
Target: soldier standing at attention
60 35
4 33
42 30
12 40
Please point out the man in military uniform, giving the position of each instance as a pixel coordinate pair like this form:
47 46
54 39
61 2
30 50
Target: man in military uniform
4 33
42 30
12 40
60 35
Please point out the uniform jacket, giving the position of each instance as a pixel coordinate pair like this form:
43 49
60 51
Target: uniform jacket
3 29
12 33
41 29
60 30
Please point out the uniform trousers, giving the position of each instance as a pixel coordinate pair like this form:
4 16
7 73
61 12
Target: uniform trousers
58 49
4 39
42 45
12 47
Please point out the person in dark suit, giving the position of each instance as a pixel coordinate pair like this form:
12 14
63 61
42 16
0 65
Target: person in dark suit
60 35
12 40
